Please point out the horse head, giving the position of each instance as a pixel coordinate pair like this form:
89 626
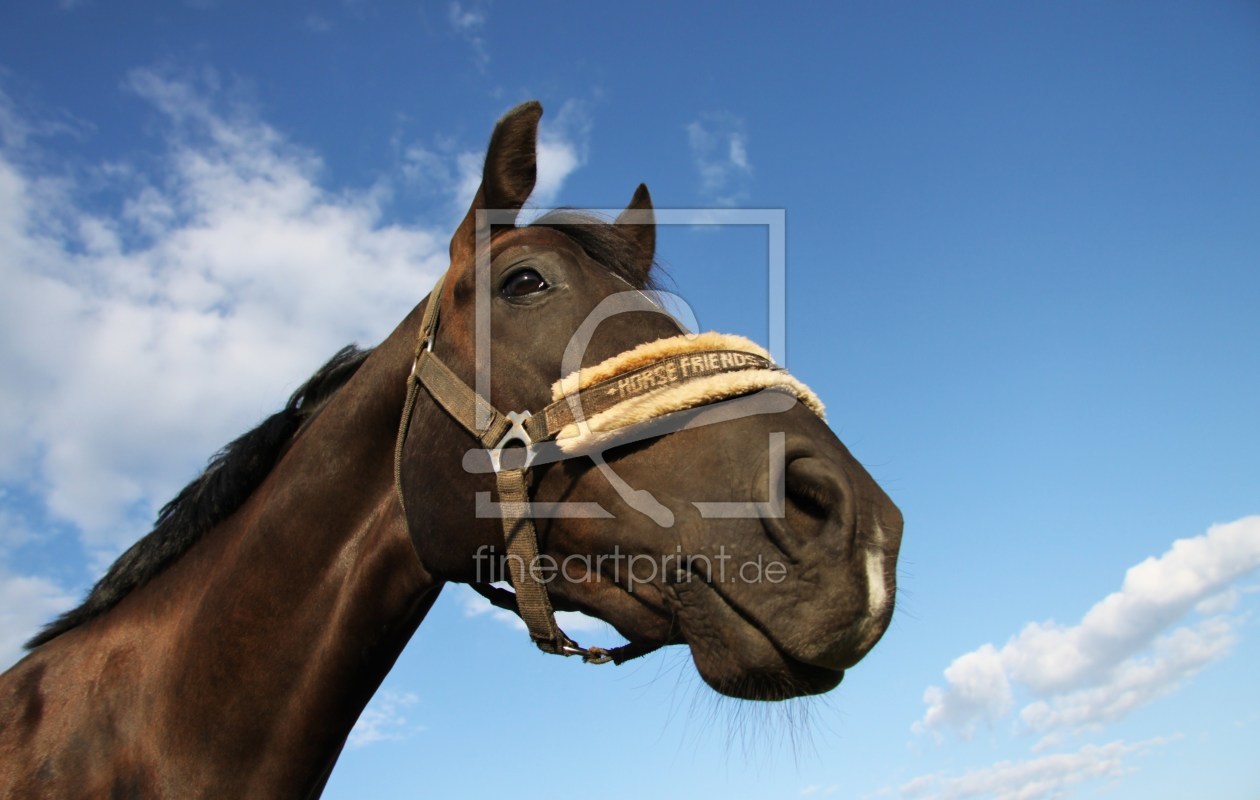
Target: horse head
688 492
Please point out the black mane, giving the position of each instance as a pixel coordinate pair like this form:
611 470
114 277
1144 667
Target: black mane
235 472
229 479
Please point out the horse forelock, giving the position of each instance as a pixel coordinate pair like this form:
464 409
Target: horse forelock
601 241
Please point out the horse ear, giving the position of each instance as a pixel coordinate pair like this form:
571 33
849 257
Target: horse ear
639 228
511 160
509 173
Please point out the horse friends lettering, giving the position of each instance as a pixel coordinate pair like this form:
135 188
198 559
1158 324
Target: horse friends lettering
685 367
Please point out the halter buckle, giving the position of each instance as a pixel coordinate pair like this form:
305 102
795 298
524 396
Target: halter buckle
516 433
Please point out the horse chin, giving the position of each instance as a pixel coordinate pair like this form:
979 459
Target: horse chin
788 680
736 657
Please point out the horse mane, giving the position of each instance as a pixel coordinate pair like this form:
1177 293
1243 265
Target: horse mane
233 473
229 479
603 242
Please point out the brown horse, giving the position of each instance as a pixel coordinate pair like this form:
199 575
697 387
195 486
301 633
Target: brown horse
230 651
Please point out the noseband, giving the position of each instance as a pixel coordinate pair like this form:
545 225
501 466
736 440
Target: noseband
589 408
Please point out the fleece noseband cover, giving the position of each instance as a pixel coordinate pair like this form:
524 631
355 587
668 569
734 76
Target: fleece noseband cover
664 376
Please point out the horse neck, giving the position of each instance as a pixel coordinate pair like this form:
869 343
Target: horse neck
252 656
315 591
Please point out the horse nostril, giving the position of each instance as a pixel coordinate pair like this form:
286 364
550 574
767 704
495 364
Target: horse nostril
814 485
809 487
815 498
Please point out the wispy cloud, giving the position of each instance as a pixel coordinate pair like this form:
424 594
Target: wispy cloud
465 19
1119 657
474 605
443 171
26 603
563 144
317 23
820 790
469 24
719 150
1034 778
384 720
140 333
18 129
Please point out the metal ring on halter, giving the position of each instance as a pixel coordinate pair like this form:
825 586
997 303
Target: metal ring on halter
425 346
515 434
590 655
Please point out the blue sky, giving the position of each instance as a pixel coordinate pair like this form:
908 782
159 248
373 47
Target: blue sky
1023 269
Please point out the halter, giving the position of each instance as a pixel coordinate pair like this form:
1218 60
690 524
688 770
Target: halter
589 408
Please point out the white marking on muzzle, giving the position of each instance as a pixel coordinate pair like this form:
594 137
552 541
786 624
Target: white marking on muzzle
878 594
870 629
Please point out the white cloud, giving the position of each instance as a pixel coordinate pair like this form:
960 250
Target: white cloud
1134 682
563 140
719 149
1043 776
563 143
1220 603
16 129
468 167
318 24
738 153
465 19
1118 657
474 605
571 622
26 603
383 720
441 172
139 336
468 24
1155 593
576 622
557 158
978 690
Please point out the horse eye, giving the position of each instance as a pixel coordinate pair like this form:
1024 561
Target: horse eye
522 283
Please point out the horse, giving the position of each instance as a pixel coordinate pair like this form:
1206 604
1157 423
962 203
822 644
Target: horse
640 473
